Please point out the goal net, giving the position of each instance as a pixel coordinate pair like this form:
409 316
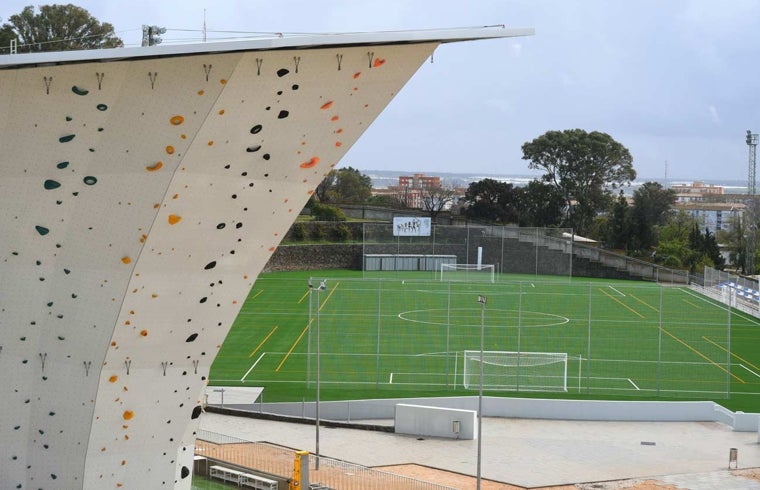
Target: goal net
516 371
468 272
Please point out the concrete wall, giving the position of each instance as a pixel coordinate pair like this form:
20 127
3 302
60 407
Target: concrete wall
644 411
140 200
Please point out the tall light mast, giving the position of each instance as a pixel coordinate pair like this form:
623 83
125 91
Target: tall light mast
751 191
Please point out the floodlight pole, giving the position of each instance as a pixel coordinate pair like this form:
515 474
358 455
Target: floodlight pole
322 287
308 340
482 300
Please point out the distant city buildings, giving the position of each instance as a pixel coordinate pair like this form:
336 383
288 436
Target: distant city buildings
412 189
709 204
696 191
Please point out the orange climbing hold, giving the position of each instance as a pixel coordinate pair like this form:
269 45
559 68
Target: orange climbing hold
378 62
128 414
170 150
357 75
126 260
143 333
177 120
310 163
153 168
327 105
174 219
113 379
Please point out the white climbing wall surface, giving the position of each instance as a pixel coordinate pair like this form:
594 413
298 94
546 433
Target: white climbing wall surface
140 198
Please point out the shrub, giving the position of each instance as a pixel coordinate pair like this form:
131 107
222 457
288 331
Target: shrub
299 232
318 232
342 233
325 212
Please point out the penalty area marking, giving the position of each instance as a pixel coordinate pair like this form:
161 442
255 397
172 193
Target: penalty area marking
751 371
634 384
252 366
621 294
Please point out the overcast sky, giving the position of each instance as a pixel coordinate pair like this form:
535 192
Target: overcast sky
674 81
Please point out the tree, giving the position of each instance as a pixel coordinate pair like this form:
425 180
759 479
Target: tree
619 229
351 186
584 168
6 36
651 209
58 28
491 200
324 187
435 199
539 205
346 185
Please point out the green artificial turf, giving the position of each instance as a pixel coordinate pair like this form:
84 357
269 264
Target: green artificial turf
404 335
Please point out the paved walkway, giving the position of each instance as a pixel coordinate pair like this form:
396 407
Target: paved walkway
536 453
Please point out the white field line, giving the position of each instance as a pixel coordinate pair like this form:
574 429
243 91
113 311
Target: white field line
621 294
751 371
252 366
390 381
634 384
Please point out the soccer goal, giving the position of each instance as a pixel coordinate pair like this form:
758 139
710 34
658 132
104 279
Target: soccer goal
523 371
468 272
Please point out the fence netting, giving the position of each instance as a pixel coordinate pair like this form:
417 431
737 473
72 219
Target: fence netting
629 339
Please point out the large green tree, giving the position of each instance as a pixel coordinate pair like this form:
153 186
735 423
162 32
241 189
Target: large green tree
539 205
57 28
492 200
584 167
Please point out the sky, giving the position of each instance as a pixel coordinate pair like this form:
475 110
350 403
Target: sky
675 82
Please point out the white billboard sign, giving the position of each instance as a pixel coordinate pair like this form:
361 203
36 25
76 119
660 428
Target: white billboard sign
411 226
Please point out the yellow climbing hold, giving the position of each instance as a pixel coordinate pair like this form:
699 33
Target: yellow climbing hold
174 219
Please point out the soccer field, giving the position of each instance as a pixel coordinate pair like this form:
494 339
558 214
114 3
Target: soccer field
405 336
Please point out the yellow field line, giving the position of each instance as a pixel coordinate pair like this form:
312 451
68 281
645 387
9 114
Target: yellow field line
293 347
644 303
620 302
263 341
704 357
329 295
257 294
726 350
305 295
692 304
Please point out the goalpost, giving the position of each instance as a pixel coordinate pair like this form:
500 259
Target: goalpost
468 272
524 371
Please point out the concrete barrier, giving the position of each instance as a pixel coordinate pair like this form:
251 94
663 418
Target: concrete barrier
421 420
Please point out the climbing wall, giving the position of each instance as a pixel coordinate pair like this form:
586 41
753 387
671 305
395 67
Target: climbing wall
140 199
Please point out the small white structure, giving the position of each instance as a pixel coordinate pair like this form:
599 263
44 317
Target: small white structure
420 420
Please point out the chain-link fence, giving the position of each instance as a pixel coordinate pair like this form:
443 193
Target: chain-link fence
632 339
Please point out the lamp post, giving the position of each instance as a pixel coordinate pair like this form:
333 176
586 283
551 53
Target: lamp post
322 287
482 300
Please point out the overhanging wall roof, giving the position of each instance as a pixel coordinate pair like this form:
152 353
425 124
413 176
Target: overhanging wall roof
269 43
